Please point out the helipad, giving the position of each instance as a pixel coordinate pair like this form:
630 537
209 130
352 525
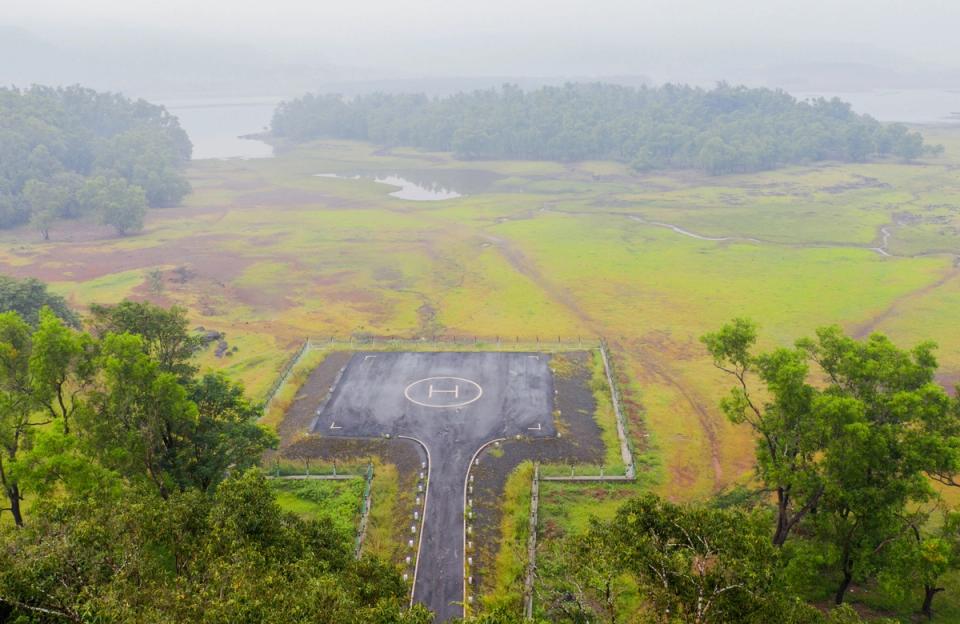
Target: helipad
443 392
453 403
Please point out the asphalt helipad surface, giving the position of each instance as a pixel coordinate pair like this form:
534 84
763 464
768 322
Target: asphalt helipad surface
453 403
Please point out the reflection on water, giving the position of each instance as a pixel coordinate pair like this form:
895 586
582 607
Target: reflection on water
426 185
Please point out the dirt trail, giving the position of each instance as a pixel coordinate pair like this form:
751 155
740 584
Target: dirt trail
864 329
651 361
882 249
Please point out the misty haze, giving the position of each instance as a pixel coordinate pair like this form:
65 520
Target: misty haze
434 312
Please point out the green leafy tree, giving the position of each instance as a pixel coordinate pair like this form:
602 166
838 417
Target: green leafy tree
226 435
53 139
118 203
140 418
47 203
698 564
580 577
148 160
890 426
164 331
27 297
923 555
132 556
722 130
857 438
17 421
61 367
789 437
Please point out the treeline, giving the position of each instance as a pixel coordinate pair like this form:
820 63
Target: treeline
723 130
70 152
851 438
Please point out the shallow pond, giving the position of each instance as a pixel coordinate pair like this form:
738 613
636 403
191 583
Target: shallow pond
426 185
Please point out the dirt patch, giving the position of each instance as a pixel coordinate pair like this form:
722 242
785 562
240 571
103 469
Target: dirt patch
580 443
77 262
859 182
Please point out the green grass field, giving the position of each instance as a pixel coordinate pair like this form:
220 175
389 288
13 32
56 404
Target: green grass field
339 501
273 254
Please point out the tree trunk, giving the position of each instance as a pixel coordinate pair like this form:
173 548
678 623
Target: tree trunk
842 590
783 503
929 592
13 493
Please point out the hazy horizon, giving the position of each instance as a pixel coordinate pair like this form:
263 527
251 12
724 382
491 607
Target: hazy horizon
291 44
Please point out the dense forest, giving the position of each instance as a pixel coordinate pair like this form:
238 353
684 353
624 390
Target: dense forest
723 130
71 152
129 489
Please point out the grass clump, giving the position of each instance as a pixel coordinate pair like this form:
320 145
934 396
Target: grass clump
504 588
605 415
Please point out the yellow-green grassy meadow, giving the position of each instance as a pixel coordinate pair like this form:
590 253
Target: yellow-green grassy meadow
274 254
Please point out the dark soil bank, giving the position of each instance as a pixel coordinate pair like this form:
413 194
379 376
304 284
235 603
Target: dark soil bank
304 407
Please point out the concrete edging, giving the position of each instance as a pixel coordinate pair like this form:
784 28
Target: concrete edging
625 453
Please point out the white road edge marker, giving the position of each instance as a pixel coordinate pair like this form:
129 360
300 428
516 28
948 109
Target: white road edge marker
333 425
539 427
423 521
466 480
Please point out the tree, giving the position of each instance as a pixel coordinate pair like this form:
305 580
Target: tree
857 441
164 332
722 130
118 203
27 297
140 417
697 564
53 139
226 436
16 405
921 557
788 437
61 367
148 160
580 577
132 556
890 425
47 203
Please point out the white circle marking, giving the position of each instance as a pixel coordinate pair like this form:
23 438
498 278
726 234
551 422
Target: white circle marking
406 392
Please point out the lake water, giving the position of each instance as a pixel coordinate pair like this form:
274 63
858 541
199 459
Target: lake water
920 106
426 185
216 124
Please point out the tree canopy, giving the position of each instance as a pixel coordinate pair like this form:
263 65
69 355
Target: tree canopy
724 130
851 436
52 140
27 297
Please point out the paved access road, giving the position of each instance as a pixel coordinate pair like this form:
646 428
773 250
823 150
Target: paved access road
453 403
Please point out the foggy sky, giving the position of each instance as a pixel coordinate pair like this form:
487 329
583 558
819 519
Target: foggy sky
525 37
